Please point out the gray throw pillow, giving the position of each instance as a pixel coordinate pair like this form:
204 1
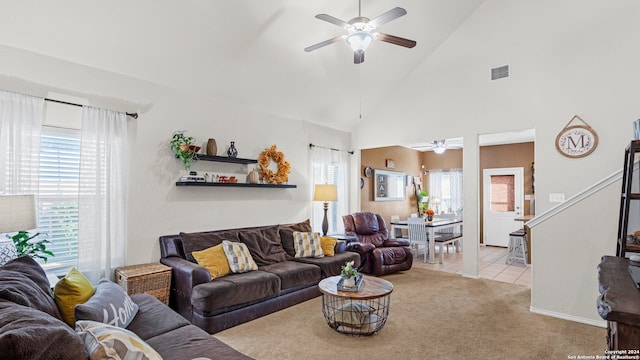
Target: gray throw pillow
110 305
29 334
24 282
352 314
264 245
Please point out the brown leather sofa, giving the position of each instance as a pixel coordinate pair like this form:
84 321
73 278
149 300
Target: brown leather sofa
379 254
224 302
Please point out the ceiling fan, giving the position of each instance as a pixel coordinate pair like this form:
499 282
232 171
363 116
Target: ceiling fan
439 146
360 32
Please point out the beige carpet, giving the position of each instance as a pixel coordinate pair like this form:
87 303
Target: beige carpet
433 315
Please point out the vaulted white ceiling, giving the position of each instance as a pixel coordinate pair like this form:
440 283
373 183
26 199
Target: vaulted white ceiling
244 51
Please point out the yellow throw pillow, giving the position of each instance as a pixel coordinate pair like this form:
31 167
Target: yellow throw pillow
238 256
214 260
307 244
71 290
328 245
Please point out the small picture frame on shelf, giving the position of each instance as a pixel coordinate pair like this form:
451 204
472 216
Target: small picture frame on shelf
390 163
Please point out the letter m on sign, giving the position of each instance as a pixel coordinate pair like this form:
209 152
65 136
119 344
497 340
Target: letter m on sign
574 142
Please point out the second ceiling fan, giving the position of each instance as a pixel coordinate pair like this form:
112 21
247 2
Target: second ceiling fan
360 32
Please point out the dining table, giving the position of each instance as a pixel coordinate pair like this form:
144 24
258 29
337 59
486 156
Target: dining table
446 227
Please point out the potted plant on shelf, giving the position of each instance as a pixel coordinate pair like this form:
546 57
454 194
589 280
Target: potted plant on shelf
185 150
423 200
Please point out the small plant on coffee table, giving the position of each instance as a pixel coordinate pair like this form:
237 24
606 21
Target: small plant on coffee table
348 272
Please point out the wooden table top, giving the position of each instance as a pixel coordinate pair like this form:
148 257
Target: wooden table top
372 288
620 300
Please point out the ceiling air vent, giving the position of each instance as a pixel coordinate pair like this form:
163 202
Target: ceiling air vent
500 72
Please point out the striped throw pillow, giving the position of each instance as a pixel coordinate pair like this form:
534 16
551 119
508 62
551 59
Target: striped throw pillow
238 256
307 244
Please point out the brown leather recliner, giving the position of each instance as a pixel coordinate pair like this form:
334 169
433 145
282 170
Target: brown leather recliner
379 254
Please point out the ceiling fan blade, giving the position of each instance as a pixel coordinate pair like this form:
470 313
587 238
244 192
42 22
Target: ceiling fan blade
388 16
358 56
396 40
324 43
333 20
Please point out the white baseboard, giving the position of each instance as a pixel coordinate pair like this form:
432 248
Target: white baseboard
583 320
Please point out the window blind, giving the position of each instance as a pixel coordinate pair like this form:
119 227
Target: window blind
58 195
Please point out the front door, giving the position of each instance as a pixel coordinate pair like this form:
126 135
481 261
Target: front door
503 193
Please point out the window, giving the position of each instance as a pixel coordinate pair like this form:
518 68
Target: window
445 191
333 176
502 197
58 195
330 166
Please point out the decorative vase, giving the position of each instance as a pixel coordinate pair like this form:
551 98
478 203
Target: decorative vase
232 151
253 177
349 282
212 147
429 217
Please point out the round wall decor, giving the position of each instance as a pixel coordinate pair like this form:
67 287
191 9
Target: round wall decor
284 168
576 141
367 171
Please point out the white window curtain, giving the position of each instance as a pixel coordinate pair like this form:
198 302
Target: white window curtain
102 212
330 167
445 191
456 191
21 118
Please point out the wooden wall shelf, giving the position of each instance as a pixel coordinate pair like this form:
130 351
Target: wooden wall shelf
227 159
193 183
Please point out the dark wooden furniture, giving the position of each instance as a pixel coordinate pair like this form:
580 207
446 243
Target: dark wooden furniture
626 197
619 303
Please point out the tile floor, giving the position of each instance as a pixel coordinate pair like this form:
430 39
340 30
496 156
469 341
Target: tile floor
492 265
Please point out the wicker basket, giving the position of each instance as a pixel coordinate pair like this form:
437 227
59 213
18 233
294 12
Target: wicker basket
153 279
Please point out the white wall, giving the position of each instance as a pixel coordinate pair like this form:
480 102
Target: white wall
155 206
566 57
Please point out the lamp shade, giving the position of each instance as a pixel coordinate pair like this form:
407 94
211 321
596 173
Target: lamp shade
360 40
325 192
17 213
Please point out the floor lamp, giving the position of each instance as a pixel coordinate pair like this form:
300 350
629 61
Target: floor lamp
325 193
17 213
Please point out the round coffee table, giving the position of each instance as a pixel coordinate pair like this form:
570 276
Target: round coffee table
356 313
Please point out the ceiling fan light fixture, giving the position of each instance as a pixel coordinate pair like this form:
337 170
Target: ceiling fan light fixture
359 40
439 147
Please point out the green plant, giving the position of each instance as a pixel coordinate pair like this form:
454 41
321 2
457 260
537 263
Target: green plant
26 245
423 200
182 146
348 271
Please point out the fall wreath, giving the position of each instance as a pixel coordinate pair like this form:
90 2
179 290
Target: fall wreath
279 177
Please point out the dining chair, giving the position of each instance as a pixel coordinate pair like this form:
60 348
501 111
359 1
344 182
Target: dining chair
398 232
418 235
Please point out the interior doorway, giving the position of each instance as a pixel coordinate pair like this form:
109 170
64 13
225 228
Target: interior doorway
503 203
